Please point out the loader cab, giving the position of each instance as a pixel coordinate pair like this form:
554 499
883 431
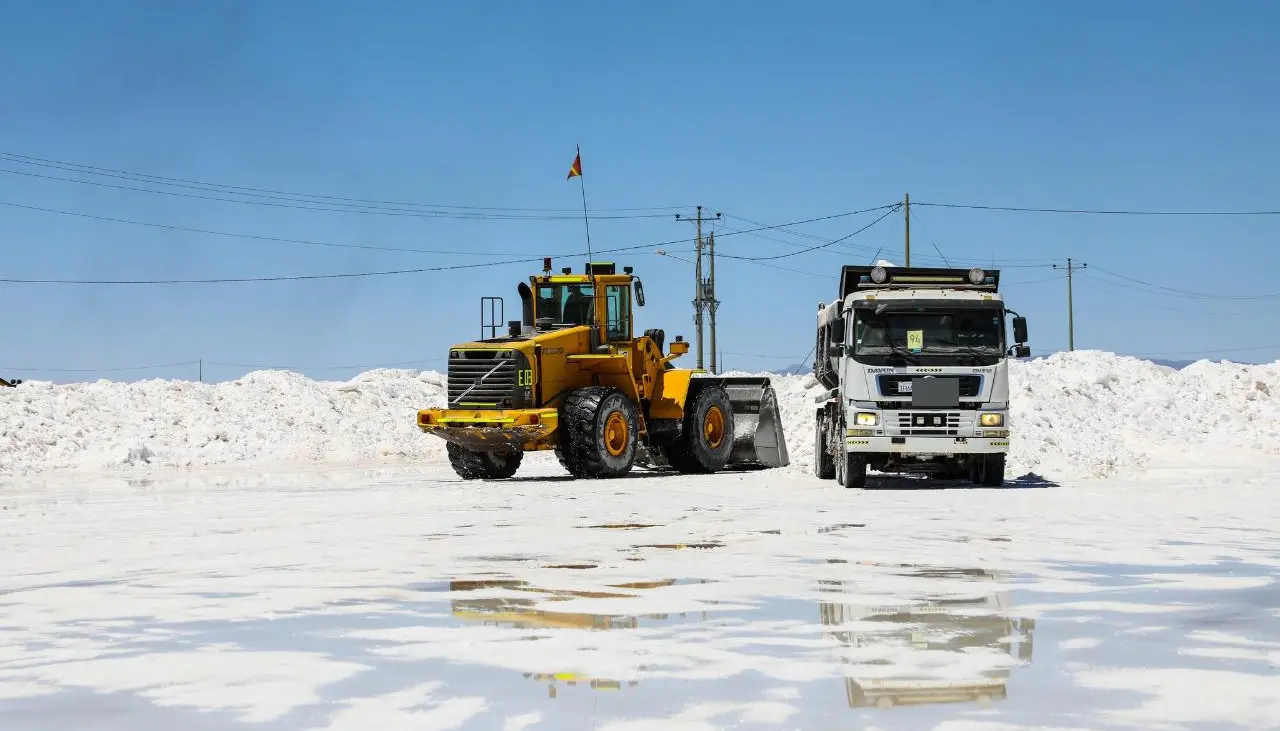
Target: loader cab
600 299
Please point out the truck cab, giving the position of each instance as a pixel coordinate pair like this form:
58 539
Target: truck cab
915 362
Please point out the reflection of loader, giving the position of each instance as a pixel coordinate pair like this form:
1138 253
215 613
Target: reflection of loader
959 626
520 614
573 376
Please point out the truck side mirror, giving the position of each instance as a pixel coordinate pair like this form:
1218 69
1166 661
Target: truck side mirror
1019 329
835 350
837 330
1022 351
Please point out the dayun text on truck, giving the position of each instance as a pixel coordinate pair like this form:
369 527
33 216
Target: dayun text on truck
915 363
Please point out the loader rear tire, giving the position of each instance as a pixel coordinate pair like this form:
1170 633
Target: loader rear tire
472 465
706 434
599 427
824 466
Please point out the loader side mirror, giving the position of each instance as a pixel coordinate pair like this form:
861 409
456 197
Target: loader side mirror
639 293
1019 329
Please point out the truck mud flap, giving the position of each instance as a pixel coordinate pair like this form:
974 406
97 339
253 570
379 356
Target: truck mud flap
757 423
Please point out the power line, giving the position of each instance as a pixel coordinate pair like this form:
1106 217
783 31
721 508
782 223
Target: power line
364 210
355 275
220 187
117 369
1105 287
1100 212
254 237
298 277
1189 293
882 216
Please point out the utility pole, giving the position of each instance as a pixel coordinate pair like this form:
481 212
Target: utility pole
699 285
906 215
710 299
1071 324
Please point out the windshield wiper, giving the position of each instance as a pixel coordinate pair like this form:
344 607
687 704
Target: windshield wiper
969 349
900 350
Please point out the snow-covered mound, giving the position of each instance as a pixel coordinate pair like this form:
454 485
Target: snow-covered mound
266 416
1081 414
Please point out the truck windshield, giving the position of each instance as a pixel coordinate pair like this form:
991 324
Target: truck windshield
929 331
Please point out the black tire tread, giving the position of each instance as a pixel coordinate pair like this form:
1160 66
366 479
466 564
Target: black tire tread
578 452
689 457
472 465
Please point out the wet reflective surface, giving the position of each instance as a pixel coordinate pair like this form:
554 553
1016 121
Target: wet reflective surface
689 604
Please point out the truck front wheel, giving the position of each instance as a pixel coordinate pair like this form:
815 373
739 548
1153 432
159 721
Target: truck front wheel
988 470
851 470
824 465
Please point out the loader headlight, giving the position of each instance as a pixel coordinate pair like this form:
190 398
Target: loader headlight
866 418
992 419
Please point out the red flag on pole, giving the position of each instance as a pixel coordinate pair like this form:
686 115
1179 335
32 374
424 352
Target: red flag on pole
575 170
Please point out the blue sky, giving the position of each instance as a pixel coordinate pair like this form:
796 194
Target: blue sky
767 113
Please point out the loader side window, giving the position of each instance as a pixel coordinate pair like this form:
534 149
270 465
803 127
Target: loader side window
617 312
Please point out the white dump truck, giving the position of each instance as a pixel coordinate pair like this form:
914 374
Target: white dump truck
915 366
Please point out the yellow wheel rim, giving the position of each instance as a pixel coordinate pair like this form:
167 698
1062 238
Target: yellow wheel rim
713 427
615 434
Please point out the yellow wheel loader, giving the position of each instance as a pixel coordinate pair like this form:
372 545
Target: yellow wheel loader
572 376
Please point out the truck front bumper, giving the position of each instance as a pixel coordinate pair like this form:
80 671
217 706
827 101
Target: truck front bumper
926 446
487 430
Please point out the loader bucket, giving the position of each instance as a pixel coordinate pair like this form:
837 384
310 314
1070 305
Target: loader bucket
757 424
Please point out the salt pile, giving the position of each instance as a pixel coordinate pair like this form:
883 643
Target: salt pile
1082 414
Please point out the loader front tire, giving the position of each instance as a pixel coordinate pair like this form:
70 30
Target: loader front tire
472 465
600 428
706 435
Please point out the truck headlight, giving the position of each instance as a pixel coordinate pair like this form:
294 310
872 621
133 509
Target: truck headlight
866 418
992 419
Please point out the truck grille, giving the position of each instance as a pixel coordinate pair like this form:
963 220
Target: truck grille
929 423
891 385
469 366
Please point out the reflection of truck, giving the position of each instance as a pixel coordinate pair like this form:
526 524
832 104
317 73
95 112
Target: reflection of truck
964 627
4 383
915 365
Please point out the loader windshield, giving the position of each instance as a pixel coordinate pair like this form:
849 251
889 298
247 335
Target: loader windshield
565 304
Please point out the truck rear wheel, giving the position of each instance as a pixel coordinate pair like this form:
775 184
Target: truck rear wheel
473 465
824 466
599 426
706 434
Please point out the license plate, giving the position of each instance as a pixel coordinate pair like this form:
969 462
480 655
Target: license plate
928 420
904 386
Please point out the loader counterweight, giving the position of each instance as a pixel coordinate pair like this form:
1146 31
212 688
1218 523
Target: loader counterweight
573 376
